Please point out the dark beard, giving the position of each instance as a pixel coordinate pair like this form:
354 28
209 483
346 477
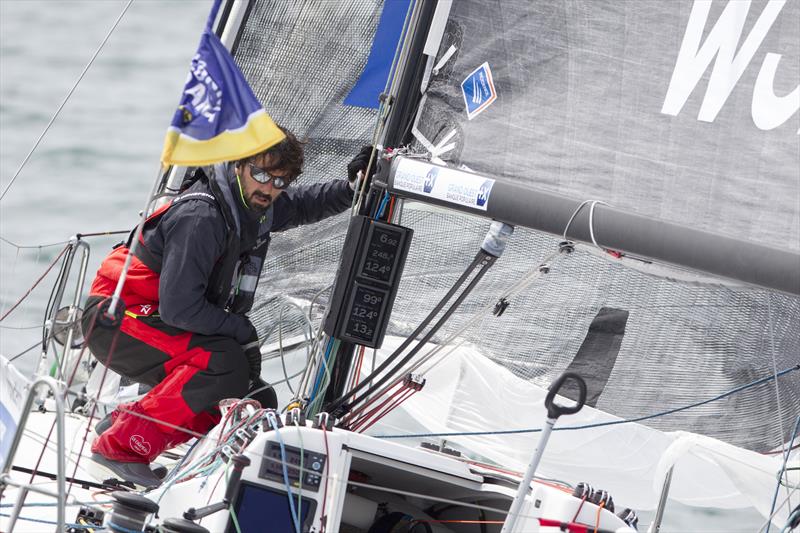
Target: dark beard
261 197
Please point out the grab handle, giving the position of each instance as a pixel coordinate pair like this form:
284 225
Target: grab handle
555 410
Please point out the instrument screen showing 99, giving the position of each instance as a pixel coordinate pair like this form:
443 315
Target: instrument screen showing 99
365 312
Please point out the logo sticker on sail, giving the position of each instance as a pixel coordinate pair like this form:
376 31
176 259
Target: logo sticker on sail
450 185
478 90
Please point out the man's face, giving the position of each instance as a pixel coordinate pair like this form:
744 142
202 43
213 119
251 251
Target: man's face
259 196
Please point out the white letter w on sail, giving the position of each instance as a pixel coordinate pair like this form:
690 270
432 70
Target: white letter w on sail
722 42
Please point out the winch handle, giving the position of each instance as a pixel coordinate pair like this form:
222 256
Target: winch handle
553 409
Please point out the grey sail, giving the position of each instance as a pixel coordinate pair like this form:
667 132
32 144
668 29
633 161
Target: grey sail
584 108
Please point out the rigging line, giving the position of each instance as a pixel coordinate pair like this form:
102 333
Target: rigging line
457 503
777 510
412 337
486 262
50 245
592 204
406 394
382 206
66 99
38 343
295 516
35 326
21 247
13 272
319 397
731 392
112 348
385 106
76 527
515 289
323 368
312 354
280 347
49 268
56 294
365 410
270 418
778 400
783 472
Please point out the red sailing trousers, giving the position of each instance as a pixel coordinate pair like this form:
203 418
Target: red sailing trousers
189 373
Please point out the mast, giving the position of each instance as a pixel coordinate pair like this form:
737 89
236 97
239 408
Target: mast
403 99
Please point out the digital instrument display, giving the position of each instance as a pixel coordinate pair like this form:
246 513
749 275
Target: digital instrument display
365 310
256 505
272 466
380 259
373 258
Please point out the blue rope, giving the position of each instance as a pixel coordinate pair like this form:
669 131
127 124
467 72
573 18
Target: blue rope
321 371
379 212
295 517
53 504
791 519
118 527
783 470
598 424
48 522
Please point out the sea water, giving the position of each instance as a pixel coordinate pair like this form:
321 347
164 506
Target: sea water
93 169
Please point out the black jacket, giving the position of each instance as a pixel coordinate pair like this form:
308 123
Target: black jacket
206 247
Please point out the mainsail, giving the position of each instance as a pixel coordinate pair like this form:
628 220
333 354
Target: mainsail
590 100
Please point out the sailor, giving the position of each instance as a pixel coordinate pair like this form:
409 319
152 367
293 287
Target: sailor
185 330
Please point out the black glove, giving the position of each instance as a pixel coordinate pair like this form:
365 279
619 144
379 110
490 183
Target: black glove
263 392
360 162
252 350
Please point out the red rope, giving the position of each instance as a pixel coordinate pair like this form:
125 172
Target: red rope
324 517
53 425
407 394
357 373
46 272
356 414
111 350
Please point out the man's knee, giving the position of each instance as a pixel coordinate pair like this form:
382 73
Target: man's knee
229 364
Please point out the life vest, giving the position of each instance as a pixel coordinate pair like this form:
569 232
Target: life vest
233 280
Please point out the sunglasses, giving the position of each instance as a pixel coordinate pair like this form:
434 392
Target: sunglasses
262 176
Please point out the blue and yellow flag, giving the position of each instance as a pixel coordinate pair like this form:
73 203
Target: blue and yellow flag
219 118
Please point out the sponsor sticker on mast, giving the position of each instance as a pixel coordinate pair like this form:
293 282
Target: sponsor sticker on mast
478 90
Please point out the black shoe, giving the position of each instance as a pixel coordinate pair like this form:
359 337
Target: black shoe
159 470
101 427
104 424
139 474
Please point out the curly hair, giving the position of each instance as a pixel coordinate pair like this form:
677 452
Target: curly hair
287 155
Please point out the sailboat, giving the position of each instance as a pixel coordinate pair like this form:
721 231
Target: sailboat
635 167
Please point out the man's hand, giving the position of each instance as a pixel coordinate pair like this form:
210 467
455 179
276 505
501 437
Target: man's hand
359 163
252 350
